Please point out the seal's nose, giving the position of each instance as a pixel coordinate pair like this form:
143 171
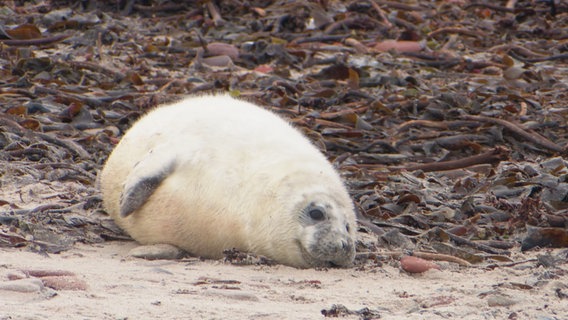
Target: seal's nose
344 247
343 253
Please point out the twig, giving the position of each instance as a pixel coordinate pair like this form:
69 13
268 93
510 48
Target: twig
363 220
66 166
128 7
331 124
437 124
434 60
321 38
489 6
41 208
159 8
12 239
528 135
418 254
509 264
337 114
400 6
72 146
17 91
563 56
332 48
215 15
361 48
492 157
461 241
68 144
381 14
5 121
100 101
405 24
441 257
27 152
35 42
465 32
515 47
117 75
99 46
355 21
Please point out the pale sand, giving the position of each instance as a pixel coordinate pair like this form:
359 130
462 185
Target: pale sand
120 287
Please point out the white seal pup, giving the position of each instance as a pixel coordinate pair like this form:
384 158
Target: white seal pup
211 173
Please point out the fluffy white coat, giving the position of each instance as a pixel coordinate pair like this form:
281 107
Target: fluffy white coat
212 173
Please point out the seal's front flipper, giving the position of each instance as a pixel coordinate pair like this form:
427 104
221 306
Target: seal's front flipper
145 178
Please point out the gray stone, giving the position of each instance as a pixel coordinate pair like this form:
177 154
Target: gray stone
157 251
232 294
499 300
22 285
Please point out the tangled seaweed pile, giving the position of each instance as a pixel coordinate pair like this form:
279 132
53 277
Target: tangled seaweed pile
447 118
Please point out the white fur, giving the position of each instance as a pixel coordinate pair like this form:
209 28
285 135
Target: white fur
241 177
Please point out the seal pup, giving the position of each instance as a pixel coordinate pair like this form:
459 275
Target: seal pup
211 173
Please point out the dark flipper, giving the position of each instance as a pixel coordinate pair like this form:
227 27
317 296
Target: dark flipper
145 178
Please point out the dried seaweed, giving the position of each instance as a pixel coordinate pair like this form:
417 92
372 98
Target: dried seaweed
447 119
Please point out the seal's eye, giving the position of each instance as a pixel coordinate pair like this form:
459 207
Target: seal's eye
316 213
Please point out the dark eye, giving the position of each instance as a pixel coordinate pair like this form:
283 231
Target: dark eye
347 227
316 213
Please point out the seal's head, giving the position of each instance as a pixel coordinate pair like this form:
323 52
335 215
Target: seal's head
327 232
322 230
304 217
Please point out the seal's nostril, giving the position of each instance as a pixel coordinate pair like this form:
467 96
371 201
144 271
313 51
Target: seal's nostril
344 245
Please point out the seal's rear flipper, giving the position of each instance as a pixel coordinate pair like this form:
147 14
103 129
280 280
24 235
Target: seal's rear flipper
145 178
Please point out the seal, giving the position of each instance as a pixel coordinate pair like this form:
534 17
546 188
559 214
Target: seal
211 173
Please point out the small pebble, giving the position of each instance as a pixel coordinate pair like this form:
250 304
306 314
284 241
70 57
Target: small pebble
416 265
16 275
